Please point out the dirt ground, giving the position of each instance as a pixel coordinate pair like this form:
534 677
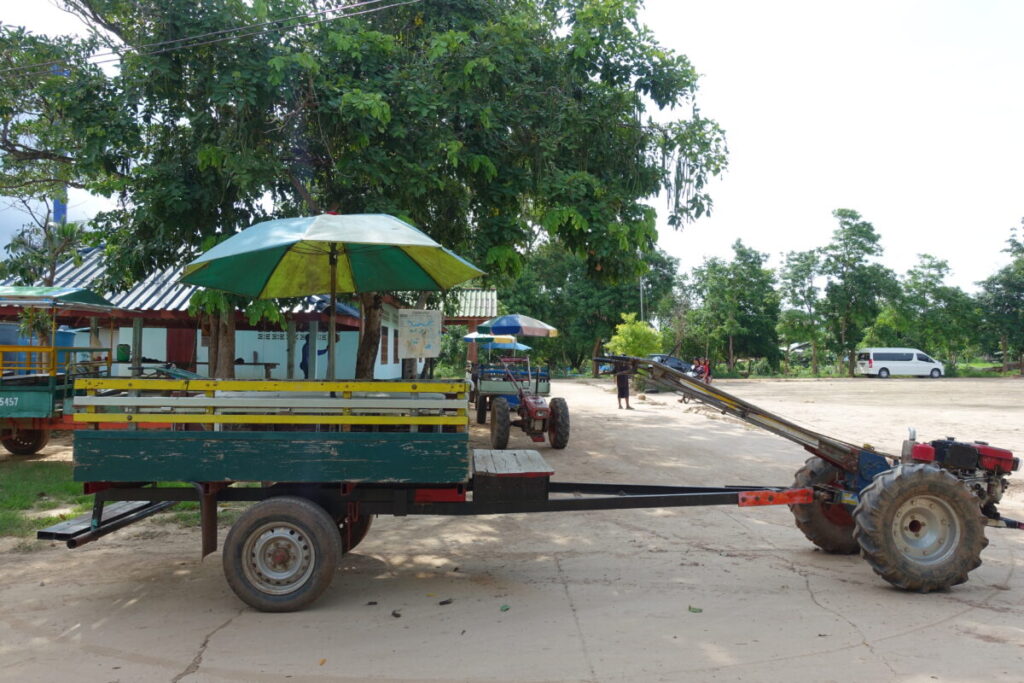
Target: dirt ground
697 594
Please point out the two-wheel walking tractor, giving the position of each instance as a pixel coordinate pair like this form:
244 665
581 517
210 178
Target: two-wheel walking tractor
514 388
320 459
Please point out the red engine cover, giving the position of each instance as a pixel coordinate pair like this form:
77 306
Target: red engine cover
536 406
996 459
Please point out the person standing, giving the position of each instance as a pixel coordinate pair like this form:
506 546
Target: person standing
622 375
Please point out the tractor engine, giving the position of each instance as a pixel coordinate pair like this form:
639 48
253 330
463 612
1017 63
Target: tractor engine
982 468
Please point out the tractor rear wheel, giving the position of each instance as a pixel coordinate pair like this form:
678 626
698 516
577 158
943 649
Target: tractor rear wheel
281 554
558 423
26 441
827 525
481 409
919 528
501 423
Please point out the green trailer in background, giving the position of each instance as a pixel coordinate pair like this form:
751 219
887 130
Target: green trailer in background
37 379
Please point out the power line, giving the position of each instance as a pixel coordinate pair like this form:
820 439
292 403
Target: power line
110 57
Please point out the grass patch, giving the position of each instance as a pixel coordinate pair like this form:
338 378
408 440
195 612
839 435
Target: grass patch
28 489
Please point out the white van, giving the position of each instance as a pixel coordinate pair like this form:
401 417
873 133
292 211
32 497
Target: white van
883 362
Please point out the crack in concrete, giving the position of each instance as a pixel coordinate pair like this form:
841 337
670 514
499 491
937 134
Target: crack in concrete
575 618
198 659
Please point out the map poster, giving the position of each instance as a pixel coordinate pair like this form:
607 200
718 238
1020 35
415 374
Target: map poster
419 333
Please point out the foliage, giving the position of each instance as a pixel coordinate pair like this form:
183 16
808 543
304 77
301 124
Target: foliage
739 307
555 287
802 322
856 287
634 338
1002 303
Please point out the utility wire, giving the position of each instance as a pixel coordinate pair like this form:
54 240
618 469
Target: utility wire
43 68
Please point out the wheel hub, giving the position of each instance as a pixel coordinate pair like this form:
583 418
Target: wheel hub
925 529
279 558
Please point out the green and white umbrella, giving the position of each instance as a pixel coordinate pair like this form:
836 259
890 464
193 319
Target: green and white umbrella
328 254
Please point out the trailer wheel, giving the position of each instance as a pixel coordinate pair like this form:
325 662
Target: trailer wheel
828 526
501 422
281 554
558 423
353 533
26 441
919 528
481 409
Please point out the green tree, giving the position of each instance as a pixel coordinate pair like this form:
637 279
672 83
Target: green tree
801 323
634 337
739 307
555 287
856 288
1002 303
479 121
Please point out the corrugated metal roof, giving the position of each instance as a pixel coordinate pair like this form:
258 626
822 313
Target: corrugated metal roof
160 291
476 303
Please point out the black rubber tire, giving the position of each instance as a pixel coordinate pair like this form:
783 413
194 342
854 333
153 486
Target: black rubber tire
351 538
883 373
935 373
826 525
26 441
501 423
558 423
299 529
481 409
919 528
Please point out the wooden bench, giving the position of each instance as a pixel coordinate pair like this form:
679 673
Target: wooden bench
510 475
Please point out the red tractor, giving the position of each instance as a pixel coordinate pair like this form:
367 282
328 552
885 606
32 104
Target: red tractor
535 415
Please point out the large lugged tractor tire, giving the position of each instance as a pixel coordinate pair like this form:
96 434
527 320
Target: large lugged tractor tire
919 528
828 526
501 423
282 553
26 441
558 423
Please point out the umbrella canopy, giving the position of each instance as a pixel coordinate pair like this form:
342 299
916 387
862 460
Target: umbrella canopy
499 338
517 324
514 346
292 257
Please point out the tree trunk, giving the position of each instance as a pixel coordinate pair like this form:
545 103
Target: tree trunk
1005 348
212 349
372 305
226 345
732 356
814 358
596 368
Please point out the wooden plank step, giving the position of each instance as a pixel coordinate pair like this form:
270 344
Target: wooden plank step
517 463
112 513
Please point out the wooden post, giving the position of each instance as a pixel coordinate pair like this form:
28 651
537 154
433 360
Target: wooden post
136 347
314 332
289 367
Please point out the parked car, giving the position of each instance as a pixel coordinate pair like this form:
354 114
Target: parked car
884 362
671 361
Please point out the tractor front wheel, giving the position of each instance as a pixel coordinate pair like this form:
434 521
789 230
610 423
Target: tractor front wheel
501 423
558 423
26 441
827 525
919 528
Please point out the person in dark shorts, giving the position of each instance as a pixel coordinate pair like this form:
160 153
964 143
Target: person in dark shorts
622 385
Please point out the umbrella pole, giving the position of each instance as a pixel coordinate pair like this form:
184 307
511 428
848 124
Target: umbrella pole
332 259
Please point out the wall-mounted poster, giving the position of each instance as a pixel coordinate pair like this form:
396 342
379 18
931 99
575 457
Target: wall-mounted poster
419 333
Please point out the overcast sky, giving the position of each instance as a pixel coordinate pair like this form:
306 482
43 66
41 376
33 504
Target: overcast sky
910 112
